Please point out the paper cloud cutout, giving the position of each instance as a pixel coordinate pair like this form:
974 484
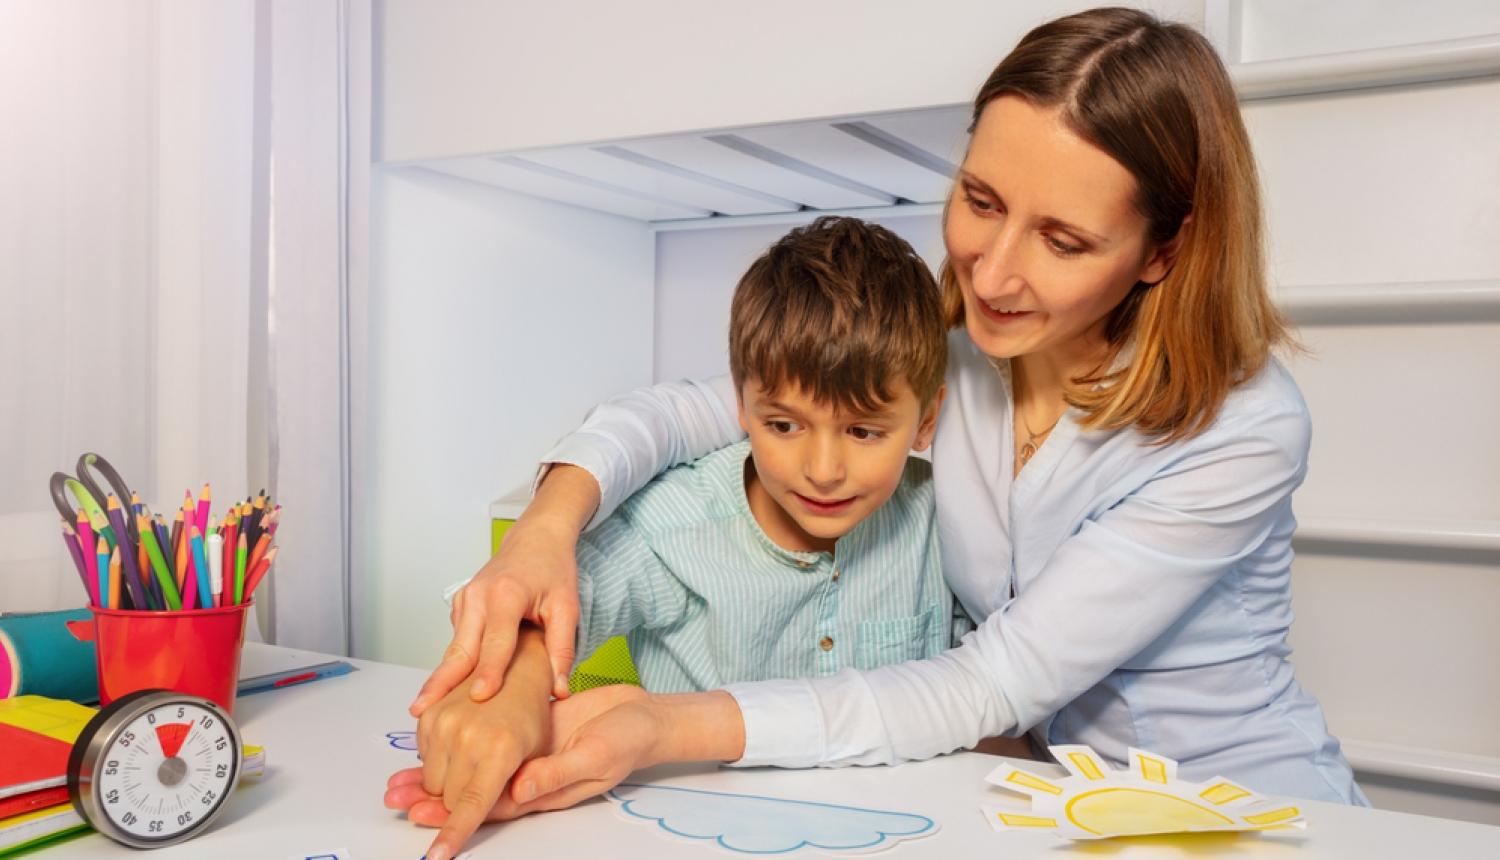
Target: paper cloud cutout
748 824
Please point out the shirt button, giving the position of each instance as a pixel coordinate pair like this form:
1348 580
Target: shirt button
802 564
826 643
835 574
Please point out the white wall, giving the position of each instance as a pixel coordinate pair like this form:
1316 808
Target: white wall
496 321
1387 186
472 76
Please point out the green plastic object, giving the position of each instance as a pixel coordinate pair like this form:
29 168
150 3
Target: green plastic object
609 664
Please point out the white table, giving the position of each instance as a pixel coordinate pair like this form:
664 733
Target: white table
326 773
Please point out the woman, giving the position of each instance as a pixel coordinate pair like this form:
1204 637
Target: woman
1114 464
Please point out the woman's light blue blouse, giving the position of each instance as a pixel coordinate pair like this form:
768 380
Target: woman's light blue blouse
1132 595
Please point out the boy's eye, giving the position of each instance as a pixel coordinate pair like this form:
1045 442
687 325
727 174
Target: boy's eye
781 427
864 433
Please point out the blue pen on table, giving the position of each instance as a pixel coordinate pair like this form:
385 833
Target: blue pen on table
305 674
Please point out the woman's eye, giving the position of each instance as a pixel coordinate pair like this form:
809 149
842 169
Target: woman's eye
1063 248
978 203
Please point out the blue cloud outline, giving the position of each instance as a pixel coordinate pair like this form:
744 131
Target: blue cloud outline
921 823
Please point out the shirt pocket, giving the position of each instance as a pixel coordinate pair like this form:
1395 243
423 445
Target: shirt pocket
893 641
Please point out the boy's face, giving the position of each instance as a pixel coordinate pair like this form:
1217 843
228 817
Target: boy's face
819 470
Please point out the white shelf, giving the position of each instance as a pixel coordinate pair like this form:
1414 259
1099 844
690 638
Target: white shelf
1450 59
1437 766
1481 536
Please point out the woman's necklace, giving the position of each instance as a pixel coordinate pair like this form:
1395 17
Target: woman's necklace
1028 450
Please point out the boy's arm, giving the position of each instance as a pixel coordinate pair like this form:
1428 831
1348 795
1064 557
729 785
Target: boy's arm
623 585
470 749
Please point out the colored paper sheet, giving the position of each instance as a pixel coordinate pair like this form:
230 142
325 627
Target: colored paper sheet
37 734
1095 801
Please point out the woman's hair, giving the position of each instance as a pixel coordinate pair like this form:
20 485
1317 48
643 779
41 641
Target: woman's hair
1156 98
844 310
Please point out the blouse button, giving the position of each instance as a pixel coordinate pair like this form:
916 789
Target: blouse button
826 643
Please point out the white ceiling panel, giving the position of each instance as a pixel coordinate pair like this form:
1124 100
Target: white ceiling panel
829 148
846 163
944 132
504 175
658 179
699 154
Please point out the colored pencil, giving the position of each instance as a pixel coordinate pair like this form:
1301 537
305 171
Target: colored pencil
127 555
102 555
143 564
240 557
114 578
70 538
180 554
200 564
259 551
86 543
230 532
159 564
259 573
275 518
203 506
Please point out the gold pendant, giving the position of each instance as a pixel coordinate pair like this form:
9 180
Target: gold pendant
1027 450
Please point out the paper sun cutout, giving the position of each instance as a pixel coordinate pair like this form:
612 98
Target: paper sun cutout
748 824
1096 802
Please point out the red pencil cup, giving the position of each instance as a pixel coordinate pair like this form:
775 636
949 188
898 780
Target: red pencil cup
193 651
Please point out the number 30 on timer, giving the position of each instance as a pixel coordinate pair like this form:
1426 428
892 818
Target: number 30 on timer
155 767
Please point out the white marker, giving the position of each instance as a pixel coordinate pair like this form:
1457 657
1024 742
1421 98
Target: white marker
215 553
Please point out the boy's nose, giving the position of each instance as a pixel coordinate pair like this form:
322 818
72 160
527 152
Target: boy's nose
824 467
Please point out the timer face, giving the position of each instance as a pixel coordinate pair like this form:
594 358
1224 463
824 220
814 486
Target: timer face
166 771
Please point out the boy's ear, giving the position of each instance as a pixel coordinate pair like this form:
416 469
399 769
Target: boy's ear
739 399
928 427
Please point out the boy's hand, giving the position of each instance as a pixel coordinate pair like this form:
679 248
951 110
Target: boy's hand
470 749
534 577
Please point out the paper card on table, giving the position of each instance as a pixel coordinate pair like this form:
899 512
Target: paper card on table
403 741
1097 802
750 824
338 854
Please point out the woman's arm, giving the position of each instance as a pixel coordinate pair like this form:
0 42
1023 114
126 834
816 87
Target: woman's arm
622 445
1107 593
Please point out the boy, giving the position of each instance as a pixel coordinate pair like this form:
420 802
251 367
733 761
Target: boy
809 547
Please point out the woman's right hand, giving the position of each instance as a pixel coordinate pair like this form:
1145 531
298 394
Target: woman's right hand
534 577
602 735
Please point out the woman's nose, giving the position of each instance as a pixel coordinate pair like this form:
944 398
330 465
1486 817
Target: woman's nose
998 270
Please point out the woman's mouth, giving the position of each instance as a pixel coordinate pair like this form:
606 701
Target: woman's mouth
1002 317
824 508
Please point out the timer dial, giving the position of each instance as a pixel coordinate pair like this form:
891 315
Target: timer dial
155 767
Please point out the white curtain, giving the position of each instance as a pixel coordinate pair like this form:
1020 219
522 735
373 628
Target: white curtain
183 190
319 192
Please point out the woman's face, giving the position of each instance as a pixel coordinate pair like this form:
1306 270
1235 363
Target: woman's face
1043 237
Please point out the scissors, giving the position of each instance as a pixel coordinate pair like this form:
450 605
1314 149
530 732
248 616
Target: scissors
86 490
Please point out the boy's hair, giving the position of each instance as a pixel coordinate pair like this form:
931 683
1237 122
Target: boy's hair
842 309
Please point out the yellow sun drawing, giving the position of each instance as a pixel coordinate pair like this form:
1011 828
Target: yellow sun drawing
1096 802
